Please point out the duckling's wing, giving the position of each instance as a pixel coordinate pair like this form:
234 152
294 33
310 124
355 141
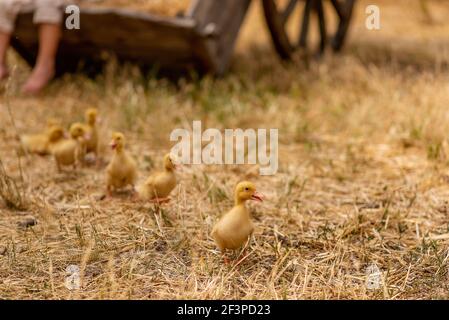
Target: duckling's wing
156 179
149 188
234 223
220 223
152 180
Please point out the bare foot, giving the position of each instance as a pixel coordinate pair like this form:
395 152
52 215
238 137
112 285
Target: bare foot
39 78
4 73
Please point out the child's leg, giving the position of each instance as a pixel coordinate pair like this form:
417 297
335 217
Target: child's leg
8 14
4 44
44 70
49 17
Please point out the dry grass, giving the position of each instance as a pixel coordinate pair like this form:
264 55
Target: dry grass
363 176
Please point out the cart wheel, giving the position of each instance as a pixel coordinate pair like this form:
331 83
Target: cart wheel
278 17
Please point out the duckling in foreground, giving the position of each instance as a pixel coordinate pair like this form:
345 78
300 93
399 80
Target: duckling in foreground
159 185
69 151
90 127
39 143
235 227
122 170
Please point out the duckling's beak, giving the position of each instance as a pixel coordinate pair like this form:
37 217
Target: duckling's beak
113 145
257 196
87 136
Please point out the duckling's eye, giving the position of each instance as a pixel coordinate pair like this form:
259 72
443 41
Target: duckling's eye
247 189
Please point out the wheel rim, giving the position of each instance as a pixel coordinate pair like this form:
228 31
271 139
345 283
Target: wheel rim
277 18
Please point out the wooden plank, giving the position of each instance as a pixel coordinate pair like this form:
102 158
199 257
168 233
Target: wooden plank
229 35
224 18
136 37
144 38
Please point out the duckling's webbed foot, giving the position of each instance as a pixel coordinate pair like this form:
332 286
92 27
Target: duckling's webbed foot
109 192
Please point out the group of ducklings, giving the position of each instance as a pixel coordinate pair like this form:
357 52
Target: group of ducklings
68 150
232 231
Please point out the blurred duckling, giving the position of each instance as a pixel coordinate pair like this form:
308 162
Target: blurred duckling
122 170
90 127
79 134
35 143
67 152
235 227
39 143
55 134
159 185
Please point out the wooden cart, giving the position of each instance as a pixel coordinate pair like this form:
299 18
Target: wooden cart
202 38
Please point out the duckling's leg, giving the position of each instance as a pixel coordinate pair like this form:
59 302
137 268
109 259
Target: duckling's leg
109 191
134 194
224 256
97 161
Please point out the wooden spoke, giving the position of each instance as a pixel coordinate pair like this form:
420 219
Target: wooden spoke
288 10
322 25
343 26
305 24
338 8
277 19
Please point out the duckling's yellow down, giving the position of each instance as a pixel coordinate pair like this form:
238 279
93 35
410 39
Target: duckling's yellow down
68 151
159 185
38 143
90 127
122 170
235 227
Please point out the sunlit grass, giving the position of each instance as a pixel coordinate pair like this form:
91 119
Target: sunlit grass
363 175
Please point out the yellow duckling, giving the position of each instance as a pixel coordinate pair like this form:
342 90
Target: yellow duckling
39 143
35 143
122 170
67 151
79 134
55 135
235 227
90 128
159 185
